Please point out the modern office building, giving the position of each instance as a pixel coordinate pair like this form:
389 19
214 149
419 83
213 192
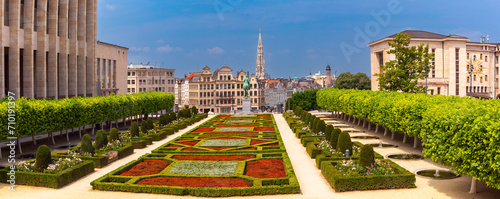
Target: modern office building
111 69
49 49
145 78
453 57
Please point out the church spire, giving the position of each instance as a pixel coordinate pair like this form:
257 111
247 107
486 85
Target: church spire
260 67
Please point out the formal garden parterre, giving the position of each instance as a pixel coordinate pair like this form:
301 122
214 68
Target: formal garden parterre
229 155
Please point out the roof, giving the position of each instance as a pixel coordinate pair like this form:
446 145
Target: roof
190 76
100 42
419 34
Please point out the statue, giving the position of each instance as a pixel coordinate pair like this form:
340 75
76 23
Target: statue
246 86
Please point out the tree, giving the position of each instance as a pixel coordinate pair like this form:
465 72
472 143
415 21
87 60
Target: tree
305 99
411 64
358 81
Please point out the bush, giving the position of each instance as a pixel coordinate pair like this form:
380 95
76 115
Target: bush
113 134
172 116
335 137
321 126
162 120
43 158
194 110
328 132
367 156
144 127
101 139
344 143
134 130
86 144
150 124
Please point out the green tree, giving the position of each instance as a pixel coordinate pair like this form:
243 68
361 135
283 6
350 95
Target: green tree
43 158
358 81
305 99
411 64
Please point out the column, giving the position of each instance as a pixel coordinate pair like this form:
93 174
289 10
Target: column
2 68
28 64
14 69
52 57
40 66
91 43
73 49
81 65
63 49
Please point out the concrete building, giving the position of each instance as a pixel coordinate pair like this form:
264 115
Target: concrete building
48 49
453 56
145 78
111 69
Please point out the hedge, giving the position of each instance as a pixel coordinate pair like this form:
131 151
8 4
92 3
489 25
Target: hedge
401 179
459 132
51 180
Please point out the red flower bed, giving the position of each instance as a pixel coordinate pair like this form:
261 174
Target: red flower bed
224 116
201 130
226 138
263 129
192 143
266 168
214 157
196 182
219 148
229 133
271 145
255 142
263 116
148 167
190 149
247 149
172 146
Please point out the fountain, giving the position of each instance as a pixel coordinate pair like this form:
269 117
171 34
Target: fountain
380 145
405 157
365 137
437 174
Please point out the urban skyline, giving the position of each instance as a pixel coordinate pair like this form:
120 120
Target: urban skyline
300 37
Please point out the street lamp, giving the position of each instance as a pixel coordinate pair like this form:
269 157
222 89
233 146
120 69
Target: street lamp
472 70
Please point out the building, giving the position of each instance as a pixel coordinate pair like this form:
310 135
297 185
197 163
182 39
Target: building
219 91
453 56
145 78
111 69
260 66
48 49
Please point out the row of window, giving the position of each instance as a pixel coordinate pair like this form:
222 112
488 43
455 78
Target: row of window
143 81
480 78
226 94
478 89
481 57
224 86
106 70
226 101
162 89
139 73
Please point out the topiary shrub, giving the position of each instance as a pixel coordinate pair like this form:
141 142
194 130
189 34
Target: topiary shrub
335 137
43 158
144 127
321 126
367 156
101 139
162 120
150 124
194 110
113 134
86 144
134 129
314 123
328 132
173 116
344 143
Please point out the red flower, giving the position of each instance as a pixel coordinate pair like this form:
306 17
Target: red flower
214 157
271 145
196 182
263 116
224 116
190 149
201 130
255 142
148 167
266 168
229 133
263 129
172 146
192 143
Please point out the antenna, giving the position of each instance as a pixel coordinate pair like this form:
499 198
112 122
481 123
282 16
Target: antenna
487 38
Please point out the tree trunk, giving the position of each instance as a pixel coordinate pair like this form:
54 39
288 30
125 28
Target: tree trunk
415 141
404 138
67 135
392 135
19 144
364 123
93 129
80 131
369 125
33 138
359 121
473 187
52 136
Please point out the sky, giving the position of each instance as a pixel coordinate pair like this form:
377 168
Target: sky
299 37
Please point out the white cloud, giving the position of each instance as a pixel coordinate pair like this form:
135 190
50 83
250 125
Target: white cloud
168 49
110 7
160 41
311 51
139 49
215 50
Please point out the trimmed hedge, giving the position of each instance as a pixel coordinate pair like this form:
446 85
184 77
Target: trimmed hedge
51 180
402 179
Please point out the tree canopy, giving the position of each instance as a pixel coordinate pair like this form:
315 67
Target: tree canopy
348 80
411 64
305 99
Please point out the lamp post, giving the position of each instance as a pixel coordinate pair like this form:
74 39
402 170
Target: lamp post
471 71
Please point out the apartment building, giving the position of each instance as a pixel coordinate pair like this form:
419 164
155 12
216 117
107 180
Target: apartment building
145 78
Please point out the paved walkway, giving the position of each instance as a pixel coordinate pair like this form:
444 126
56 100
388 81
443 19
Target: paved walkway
312 183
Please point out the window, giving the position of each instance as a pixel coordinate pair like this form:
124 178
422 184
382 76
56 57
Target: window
133 90
133 73
128 81
486 78
432 91
128 73
468 79
433 63
474 77
496 59
163 81
439 90
474 58
481 79
481 56
241 77
229 77
133 81
485 58
21 19
6 13
468 56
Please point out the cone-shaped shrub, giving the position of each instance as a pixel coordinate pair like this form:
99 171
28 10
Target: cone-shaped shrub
150 124
328 132
194 110
308 119
162 120
134 130
172 116
86 144
367 156
101 139
321 126
113 134
335 137
344 143
43 158
144 126
303 116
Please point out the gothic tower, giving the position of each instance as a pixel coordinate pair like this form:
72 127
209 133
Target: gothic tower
260 67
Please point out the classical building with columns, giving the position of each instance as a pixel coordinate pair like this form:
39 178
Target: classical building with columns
48 48
453 57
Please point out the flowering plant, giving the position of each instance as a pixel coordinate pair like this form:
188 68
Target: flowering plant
326 147
123 139
53 168
306 128
351 168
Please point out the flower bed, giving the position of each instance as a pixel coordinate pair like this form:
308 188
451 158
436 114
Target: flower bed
221 159
148 167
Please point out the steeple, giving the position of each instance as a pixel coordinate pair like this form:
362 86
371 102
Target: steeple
260 66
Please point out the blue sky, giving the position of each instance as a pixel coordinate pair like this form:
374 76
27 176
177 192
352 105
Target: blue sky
299 37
